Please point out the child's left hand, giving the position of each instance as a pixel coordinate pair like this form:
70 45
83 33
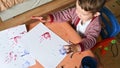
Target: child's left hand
72 48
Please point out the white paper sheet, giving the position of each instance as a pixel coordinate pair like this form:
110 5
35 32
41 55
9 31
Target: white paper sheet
45 46
12 53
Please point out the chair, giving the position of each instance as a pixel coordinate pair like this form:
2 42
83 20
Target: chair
110 28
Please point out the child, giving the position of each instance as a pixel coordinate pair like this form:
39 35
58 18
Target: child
84 18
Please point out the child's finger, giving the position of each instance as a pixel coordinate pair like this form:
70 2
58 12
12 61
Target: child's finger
67 49
35 17
66 46
38 18
70 42
71 54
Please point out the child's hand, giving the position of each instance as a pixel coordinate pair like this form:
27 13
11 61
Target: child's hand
43 19
72 48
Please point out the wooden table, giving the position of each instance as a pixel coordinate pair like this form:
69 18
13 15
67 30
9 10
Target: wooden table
67 33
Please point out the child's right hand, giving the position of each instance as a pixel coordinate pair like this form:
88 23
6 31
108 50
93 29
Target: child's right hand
41 19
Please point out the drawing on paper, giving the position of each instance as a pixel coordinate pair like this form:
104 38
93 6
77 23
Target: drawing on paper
46 47
12 53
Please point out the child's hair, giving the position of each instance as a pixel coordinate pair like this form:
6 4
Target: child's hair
91 5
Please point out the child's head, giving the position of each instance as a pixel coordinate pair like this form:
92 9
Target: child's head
89 8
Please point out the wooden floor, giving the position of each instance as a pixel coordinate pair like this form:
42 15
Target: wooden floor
108 60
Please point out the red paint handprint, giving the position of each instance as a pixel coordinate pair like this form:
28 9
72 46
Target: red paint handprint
46 35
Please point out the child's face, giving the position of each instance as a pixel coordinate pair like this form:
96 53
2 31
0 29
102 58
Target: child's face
82 14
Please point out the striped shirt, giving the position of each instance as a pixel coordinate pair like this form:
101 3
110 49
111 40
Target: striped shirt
92 30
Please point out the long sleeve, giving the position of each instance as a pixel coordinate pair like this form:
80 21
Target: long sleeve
91 34
62 16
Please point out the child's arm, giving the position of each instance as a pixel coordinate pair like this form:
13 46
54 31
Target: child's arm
59 16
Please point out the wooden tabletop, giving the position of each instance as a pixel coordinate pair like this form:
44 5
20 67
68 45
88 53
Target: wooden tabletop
66 32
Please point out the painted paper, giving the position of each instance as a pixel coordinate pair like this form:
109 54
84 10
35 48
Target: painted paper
12 53
46 47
